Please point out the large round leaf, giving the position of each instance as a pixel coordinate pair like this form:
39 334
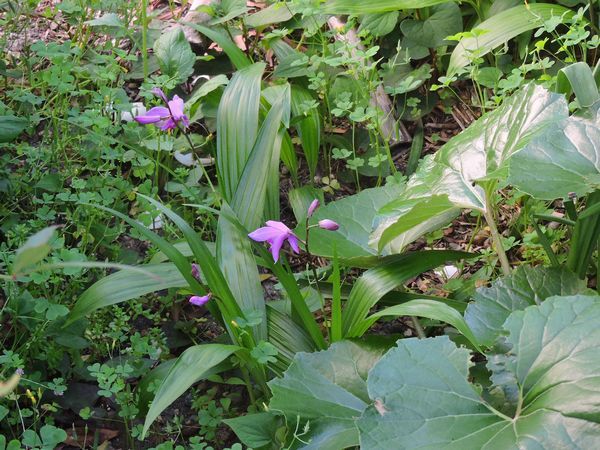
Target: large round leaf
421 396
526 286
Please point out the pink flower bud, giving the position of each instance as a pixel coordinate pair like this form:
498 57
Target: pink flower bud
327 224
313 207
200 301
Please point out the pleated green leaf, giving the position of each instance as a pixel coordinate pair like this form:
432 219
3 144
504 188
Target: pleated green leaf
192 366
237 57
237 126
501 28
380 280
308 126
375 6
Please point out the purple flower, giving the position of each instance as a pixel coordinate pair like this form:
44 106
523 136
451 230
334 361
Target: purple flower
20 371
313 207
196 271
275 233
200 301
328 224
166 118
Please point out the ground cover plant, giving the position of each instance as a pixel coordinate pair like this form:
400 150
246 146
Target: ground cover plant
299 224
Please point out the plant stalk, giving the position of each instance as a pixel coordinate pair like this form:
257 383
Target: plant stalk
496 237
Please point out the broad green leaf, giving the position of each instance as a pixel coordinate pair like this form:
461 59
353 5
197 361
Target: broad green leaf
126 285
231 9
255 430
478 155
501 28
445 20
390 274
562 160
328 389
309 127
355 215
236 56
526 286
107 20
578 78
276 13
192 366
375 6
300 200
422 397
11 127
175 56
379 24
33 250
207 88
237 126
237 262
431 309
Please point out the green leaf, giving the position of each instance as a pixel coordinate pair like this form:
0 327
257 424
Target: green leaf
191 367
562 160
255 430
391 273
11 127
526 286
501 28
250 192
445 20
237 57
422 397
308 128
328 389
107 20
35 249
375 6
175 56
126 285
480 154
379 24
237 262
275 13
231 10
578 78
355 215
431 309
237 126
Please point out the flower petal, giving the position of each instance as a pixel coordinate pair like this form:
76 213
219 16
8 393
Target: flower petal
159 93
293 240
279 226
176 107
168 125
276 245
264 234
328 224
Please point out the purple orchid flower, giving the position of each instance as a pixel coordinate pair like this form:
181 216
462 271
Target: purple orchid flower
275 233
328 224
313 207
166 118
197 300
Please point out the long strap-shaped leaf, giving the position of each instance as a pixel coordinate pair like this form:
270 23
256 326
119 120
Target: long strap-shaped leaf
237 126
207 262
377 282
236 56
193 365
431 309
375 6
501 28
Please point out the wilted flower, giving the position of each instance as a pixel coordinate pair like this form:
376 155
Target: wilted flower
200 300
196 271
275 233
328 224
313 207
166 118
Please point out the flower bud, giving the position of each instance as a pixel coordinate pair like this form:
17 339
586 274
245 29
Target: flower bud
327 224
196 271
200 301
313 207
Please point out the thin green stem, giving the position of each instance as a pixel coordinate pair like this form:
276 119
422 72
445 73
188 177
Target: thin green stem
496 237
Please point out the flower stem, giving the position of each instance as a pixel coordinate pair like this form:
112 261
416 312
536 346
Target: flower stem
204 172
496 237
